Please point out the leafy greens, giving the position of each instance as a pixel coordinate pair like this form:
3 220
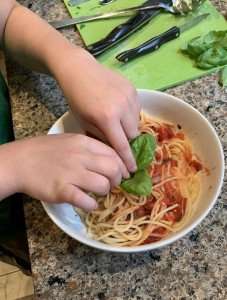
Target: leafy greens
139 184
223 77
209 50
143 148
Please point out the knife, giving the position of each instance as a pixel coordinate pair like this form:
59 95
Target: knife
126 29
122 32
156 42
118 13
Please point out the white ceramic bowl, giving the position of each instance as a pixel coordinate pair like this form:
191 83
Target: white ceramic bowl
205 142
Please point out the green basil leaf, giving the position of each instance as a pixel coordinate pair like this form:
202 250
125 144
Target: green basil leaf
223 77
197 46
208 51
212 57
143 148
139 184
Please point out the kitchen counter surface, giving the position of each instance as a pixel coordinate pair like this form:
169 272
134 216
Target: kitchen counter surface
192 268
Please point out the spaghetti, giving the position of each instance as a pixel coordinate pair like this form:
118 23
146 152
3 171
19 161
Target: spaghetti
123 219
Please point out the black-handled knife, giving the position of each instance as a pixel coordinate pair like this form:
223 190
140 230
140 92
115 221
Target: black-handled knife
121 32
125 29
157 41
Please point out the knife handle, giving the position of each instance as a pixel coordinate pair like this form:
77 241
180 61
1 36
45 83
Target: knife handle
149 46
122 31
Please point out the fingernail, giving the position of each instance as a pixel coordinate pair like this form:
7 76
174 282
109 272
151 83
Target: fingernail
90 204
127 175
136 134
94 205
133 167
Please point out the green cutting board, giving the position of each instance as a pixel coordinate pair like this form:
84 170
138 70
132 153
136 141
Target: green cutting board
159 70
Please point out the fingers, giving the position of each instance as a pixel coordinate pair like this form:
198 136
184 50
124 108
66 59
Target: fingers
93 132
77 196
95 183
110 167
130 116
73 195
100 149
116 135
129 124
119 122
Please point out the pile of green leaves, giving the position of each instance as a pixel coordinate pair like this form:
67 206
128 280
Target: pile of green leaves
209 51
223 77
140 183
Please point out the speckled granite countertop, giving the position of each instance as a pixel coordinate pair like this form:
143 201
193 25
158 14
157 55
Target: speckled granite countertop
192 268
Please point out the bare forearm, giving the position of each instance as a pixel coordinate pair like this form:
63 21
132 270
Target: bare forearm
33 42
103 98
6 8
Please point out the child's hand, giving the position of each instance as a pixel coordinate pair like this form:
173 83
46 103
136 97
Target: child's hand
60 168
103 98
100 96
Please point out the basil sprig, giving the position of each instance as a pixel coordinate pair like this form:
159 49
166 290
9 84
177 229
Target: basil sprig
140 183
209 50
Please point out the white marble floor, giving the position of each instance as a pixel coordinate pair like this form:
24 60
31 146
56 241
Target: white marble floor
14 285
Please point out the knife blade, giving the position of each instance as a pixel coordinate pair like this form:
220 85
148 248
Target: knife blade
156 42
118 13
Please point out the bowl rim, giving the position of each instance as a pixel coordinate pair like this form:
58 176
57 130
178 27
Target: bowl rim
168 240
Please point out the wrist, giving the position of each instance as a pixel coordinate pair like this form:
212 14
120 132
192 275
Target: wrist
71 70
68 58
9 176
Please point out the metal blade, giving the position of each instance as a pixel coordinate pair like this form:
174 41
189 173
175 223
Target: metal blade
193 22
68 22
118 13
